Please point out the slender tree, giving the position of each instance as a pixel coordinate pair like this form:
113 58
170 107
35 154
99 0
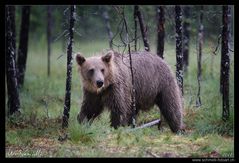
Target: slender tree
23 44
13 28
63 28
133 101
49 21
225 63
161 31
135 28
67 104
142 28
108 28
12 86
179 54
199 57
160 43
186 37
230 28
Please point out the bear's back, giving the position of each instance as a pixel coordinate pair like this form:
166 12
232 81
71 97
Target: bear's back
151 74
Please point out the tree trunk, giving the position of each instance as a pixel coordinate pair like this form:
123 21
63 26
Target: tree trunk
179 54
135 28
186 37
67 104
13 29
107 22
225 63
133 100
12 86
199 57
230 28
23 44
142 28
49 23
161 31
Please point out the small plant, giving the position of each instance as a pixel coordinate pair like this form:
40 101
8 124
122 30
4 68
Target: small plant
81 133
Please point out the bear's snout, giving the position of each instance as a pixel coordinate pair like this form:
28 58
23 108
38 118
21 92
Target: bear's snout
99 83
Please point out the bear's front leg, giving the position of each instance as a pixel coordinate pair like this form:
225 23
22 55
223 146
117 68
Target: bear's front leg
115 118
91 107
120 110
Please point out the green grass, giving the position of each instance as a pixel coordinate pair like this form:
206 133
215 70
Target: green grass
36 131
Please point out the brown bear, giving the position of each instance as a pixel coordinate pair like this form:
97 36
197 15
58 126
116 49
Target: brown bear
107 83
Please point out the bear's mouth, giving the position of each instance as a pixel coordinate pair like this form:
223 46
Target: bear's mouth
99 90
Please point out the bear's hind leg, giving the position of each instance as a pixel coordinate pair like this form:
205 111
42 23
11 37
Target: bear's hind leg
170 105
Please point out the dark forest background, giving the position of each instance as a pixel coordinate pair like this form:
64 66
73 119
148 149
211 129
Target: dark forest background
36 130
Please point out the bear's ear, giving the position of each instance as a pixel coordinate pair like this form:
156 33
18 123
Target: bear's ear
80 59
108 57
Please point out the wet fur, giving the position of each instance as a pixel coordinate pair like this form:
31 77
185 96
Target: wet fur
154 84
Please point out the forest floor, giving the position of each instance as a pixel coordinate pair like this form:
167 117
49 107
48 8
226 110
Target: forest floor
35 132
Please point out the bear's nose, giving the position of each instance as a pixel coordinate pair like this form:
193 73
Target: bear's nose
99 83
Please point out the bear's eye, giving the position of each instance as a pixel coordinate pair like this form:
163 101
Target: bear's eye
91 71
102 70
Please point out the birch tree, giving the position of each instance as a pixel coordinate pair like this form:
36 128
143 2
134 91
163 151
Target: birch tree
23 44
12 86
179 54
67 103
142 28
199 57
49 20
161 31
108 28
186 37
225 63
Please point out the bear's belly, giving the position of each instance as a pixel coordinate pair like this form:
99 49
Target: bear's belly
145 97
144 104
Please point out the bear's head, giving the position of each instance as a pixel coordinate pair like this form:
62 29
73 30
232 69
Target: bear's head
95 72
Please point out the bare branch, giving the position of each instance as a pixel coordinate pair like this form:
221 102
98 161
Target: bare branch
218 43
152 154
